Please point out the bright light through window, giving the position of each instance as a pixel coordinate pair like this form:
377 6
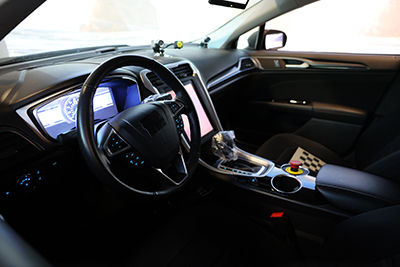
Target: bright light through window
353 26
59 25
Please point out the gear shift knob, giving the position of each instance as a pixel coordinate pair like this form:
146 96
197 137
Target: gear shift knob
223 146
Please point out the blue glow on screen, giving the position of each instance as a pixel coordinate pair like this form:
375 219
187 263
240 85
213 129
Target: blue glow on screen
132 96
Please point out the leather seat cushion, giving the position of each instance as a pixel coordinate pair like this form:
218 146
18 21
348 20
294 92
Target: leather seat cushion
280 149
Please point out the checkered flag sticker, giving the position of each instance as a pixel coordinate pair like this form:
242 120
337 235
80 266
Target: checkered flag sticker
308 160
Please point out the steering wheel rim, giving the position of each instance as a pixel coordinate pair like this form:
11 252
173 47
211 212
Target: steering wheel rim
96 158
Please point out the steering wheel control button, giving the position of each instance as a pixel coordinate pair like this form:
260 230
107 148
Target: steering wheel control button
179 124
175 106
27 183
133 160
115 144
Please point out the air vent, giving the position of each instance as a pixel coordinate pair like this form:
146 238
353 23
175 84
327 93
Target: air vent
182 71
246 63
15 151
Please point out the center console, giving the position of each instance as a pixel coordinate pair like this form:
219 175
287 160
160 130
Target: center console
247 170
348 190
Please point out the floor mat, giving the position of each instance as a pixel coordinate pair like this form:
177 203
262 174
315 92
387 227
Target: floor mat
209 234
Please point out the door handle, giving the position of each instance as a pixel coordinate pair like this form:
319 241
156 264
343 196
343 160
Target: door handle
303 65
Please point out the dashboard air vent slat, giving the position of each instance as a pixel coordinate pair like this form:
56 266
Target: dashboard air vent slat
246 63
181 71
153 78
15 151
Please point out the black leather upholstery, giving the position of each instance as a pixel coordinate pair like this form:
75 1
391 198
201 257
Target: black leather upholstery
280 148
377 150
356 191
369 239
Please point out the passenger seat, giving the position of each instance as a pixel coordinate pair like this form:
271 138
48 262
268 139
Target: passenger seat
376 151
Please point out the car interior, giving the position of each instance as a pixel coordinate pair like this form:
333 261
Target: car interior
199 153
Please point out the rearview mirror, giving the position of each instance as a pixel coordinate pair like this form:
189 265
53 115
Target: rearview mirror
274 39
232 3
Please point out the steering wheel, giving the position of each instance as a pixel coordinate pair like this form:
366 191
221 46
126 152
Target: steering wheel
139 150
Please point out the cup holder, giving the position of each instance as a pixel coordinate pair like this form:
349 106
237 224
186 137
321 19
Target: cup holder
286 184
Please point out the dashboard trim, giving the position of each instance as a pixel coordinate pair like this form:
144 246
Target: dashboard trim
233 72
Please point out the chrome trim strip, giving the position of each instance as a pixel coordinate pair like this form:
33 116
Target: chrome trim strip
266 165
182 164
259 173
147 82
264 172
306 63
286 192
233 72
307 181
104 146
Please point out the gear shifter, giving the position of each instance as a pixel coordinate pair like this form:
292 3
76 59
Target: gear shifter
223 146
235 161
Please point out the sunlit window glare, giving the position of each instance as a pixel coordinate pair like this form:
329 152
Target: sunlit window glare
60 25
351 26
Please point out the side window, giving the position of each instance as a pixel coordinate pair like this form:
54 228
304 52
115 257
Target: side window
247 40
344 26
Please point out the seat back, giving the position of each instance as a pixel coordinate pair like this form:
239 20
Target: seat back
378 148
368 239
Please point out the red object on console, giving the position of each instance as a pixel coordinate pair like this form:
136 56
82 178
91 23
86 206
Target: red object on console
294 165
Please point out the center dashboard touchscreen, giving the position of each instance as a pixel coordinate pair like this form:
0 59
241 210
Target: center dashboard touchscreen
205 124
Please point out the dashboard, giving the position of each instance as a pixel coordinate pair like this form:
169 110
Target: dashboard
38 109
56 114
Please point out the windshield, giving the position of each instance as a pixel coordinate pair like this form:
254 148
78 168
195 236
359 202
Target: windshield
62 25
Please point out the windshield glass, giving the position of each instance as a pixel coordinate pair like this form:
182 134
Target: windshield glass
61 25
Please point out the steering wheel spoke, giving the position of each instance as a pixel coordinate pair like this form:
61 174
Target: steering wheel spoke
113 144
177 108
176 172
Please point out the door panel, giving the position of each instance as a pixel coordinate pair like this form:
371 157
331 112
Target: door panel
328 98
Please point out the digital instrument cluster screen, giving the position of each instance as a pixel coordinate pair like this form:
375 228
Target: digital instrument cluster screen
59 115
